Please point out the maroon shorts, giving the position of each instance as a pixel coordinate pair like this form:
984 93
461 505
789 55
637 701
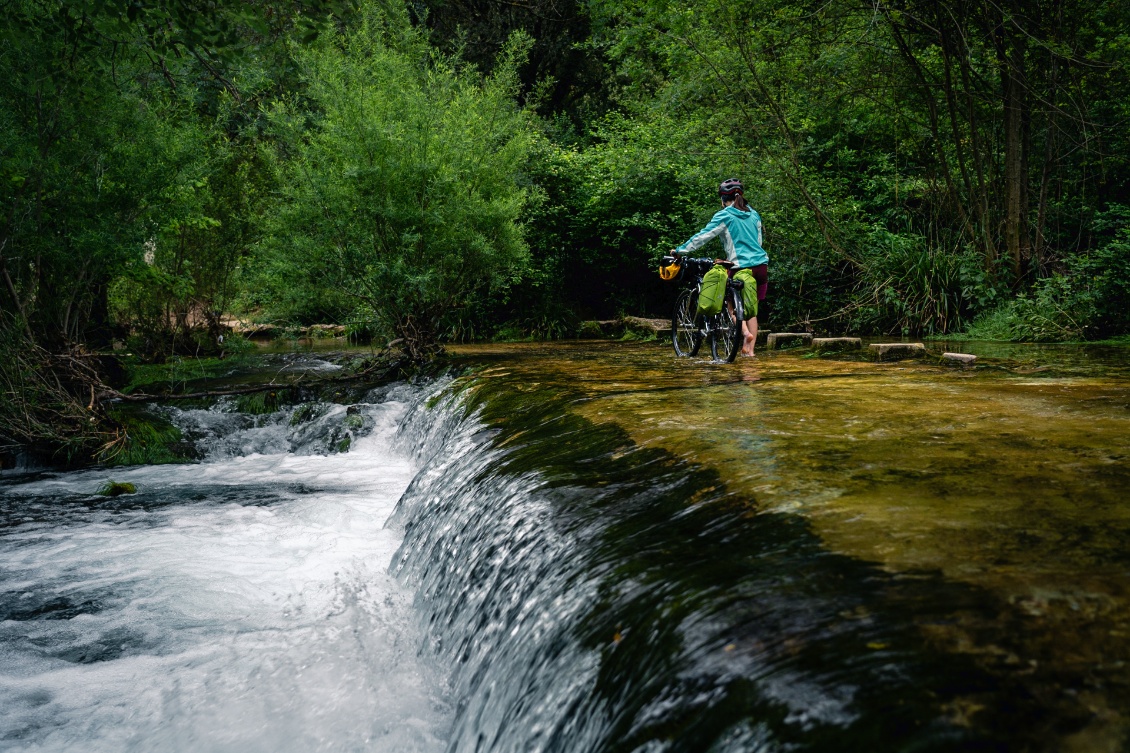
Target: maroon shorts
761 274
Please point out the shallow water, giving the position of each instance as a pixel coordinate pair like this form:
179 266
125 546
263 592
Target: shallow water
1010 478
240 604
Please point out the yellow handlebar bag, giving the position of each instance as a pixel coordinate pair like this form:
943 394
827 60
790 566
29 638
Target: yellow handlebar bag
712 291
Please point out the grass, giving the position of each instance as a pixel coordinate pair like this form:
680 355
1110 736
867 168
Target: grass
116 489
260 403
144 438
176 372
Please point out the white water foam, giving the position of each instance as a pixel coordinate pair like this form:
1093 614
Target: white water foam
240 604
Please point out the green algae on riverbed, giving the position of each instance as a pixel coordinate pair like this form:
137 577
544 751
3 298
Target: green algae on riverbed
1010 478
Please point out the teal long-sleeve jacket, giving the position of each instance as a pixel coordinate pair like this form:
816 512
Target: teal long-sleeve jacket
740 233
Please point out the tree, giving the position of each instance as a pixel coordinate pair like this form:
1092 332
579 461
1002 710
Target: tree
405 192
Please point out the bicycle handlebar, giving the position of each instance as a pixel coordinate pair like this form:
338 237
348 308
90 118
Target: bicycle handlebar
684 254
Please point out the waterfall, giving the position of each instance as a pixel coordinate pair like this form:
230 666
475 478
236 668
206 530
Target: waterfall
239 604
591 595
464 565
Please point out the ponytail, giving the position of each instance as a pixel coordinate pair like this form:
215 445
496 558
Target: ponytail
739 202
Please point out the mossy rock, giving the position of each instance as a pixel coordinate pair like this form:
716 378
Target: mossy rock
825 345
117 489
305 413
788 340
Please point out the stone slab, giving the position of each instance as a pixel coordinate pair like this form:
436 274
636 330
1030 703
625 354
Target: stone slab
896 351
959 359
782 340
647 325
836 344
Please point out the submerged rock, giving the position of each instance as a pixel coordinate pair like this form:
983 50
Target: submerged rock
958 359
836 344
782 340
896 351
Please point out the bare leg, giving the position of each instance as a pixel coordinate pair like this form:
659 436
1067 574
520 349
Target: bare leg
749 329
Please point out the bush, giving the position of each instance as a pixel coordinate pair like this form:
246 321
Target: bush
404 196
1088 302
1100 284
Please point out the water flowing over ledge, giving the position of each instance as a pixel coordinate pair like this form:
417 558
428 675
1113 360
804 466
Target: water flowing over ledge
593 595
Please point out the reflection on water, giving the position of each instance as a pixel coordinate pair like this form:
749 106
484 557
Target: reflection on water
1010 477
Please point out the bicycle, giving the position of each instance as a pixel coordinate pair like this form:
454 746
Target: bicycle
689 328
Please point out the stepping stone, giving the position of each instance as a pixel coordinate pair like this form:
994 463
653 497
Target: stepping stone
782 340
959 359
836 344
896 351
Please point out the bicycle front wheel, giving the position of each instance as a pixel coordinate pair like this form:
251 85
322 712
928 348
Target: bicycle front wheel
686 324
726 338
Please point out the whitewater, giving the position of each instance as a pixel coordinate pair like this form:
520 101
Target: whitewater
242 603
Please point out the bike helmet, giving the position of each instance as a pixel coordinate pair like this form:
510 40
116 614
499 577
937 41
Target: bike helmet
669 267
729 188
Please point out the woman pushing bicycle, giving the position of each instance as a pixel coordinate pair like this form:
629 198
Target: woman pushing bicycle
739 228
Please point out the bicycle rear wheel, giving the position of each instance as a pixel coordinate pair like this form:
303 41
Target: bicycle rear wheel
726 338
686 324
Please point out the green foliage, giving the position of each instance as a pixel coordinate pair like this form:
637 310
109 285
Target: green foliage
1100 285
875 142
611 210
378 164
1088 303
1043 315
403 195
907 286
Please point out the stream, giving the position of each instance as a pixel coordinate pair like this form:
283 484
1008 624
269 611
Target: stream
595 546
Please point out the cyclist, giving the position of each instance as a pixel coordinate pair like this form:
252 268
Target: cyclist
739 228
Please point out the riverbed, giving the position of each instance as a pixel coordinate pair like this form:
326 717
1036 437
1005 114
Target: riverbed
599 546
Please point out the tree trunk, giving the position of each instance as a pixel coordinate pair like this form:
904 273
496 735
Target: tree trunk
1015 105
11 287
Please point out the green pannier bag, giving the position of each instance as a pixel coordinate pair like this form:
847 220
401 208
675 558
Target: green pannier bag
712 291
749 293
